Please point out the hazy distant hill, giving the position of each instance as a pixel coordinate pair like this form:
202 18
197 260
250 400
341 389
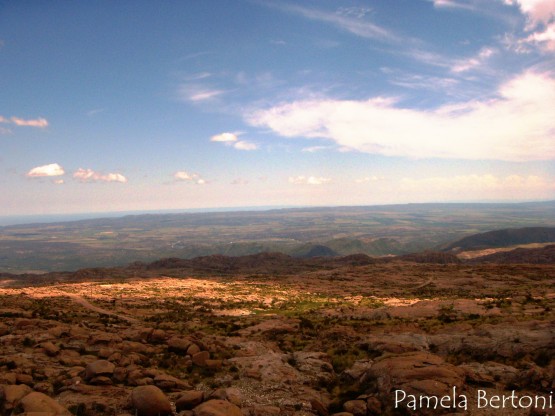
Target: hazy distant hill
504 238
542 255
372 230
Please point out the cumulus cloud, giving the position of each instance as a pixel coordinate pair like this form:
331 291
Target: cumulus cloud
39 122
540 15
518 125
184 176
52 169
224 137
308 180
536 11
231 139
545 38
89 175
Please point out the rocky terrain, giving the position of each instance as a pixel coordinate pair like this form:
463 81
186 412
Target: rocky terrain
254 336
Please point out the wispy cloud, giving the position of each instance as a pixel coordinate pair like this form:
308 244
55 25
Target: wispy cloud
95 112
39 122
516 126
354 23
308 180
184 176
245 145
52 169
199 93
455 4
474 62
89 175
314 149
204 95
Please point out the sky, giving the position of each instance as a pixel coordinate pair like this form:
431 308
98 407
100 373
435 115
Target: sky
139 105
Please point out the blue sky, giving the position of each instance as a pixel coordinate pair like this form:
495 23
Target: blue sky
131 105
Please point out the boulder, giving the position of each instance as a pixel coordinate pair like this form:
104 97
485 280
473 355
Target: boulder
217 408
10 395
169 383
200 358
178 344
355 407
40 403
189 400
99 368
150 401
50 349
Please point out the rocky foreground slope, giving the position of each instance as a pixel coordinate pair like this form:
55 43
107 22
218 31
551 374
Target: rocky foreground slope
345 339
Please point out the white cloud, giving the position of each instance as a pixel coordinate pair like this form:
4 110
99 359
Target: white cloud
39 122
231 139
89 175
59 181
537 11
4 120
518 125
52 169
225 137
540 15
185 176
308 180
545 39
245 145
